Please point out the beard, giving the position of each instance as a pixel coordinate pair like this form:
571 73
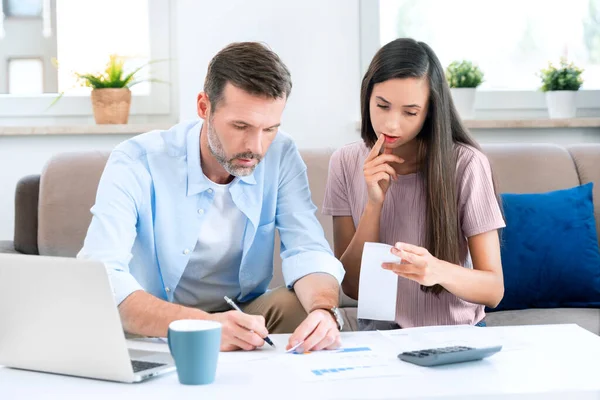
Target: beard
228 163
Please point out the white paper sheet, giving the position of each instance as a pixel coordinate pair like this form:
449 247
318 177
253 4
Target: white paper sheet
347 363
378 288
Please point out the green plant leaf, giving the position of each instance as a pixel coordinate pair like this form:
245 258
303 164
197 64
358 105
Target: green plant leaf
113 76
131 75
55 100
463 74
564 77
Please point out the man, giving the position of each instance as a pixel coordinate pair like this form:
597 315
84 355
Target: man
186 216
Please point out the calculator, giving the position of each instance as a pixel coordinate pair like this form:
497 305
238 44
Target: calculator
447 355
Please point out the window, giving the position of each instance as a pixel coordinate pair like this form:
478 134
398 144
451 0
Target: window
23 8
71 36
511 40
124 33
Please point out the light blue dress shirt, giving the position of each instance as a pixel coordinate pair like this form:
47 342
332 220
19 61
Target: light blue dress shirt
145 221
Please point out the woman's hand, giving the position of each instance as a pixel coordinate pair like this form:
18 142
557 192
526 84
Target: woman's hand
417 264
378 172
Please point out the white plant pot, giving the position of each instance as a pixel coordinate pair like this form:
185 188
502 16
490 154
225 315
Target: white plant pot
561 103
464 101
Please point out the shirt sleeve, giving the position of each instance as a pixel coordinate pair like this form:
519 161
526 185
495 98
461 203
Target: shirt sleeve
112 231
335 202
304 249
478 205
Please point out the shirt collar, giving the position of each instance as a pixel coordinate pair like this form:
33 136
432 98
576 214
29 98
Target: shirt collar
197 182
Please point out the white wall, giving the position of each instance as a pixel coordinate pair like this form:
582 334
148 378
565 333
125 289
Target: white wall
318 41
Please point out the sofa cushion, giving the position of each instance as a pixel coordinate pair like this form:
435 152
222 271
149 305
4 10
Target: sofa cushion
550 253
587 161
531 168
67 193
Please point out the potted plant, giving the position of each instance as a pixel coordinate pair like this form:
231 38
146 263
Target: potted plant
111 97
463 78
561 85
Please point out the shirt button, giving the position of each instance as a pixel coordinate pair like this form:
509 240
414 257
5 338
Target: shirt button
200 211
186 251
209 191
167 289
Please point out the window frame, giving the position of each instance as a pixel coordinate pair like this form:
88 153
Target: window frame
489 104
158 102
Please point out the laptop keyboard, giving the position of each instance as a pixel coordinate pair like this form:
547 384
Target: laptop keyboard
143 365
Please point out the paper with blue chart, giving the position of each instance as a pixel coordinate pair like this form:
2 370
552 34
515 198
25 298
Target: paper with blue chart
347 363
378 287
366 357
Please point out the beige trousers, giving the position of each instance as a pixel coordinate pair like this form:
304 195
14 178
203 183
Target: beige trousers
280 307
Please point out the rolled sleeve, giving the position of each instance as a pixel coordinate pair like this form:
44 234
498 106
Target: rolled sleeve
112 231
122 283
304 249
310 262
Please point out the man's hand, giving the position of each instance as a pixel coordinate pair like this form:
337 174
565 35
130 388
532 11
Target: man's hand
241 331
318 331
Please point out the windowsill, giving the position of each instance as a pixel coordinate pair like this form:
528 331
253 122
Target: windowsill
134 129
533 123
82 129
539 123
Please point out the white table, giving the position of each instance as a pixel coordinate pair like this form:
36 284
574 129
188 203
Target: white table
553 362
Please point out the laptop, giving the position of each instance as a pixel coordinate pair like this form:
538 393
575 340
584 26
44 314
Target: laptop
59 315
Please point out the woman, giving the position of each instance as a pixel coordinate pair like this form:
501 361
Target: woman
418 182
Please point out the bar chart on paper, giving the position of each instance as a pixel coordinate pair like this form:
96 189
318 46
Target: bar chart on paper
347 363
347 369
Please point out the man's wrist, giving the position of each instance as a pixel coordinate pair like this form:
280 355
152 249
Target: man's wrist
333 312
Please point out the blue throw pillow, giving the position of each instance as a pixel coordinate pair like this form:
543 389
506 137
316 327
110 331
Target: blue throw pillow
550 255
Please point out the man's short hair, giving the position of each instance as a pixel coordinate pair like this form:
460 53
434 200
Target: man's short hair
250 66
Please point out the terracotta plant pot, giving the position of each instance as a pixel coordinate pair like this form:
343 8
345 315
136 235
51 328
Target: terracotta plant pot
111 106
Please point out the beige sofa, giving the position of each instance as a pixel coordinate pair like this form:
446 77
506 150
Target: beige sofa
52 210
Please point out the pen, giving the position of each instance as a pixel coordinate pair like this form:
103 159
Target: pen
235 307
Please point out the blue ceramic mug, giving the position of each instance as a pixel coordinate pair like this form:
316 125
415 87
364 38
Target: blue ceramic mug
194 345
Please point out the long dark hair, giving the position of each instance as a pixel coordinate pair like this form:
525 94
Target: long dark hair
437 153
